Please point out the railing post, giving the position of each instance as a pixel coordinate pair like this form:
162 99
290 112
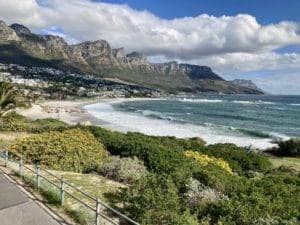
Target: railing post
38 176
6 158
62 191
97 220
21 167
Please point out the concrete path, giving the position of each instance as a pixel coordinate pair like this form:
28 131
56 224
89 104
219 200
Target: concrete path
16 208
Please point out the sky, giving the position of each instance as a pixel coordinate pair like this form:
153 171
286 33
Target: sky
249 39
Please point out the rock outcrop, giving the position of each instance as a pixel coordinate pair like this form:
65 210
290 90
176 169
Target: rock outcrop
99 58
6 33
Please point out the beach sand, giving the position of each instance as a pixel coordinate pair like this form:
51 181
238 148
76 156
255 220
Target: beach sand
71 112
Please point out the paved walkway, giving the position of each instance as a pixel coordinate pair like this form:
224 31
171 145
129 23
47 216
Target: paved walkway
16 208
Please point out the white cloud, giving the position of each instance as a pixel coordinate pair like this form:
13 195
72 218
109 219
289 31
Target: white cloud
245 62
230 44
280 82
184 38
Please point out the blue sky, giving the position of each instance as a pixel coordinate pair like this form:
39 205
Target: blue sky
266 11
250 39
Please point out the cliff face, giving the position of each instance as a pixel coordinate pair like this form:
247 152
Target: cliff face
99 58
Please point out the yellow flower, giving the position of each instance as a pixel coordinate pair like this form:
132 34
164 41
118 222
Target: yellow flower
205 160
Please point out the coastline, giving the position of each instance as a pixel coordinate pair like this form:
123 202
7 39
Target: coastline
82 112
70 112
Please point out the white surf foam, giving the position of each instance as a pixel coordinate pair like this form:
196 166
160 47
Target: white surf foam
200 100
259 102
124 122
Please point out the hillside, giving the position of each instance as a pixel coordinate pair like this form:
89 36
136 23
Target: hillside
18 45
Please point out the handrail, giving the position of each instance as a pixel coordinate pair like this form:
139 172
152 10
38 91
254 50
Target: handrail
27 167
77 199
82 192
51 174
51 182
4 155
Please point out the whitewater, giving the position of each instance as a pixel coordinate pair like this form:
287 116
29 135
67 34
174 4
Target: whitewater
242 120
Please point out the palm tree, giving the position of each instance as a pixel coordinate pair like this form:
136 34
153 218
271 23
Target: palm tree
8 98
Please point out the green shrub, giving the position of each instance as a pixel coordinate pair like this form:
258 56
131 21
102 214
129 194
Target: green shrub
71 150
154 200
238 158
276 195
18 123
119 143
290 147
135 144
124 170
197 193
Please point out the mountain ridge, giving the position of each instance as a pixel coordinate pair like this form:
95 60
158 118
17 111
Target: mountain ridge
99 58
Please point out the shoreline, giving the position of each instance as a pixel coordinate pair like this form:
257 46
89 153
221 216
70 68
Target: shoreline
77 112
70 112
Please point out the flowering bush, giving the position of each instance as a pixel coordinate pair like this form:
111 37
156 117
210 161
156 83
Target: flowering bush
204 160
70 150
125 170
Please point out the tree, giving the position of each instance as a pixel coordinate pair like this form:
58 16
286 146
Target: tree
8 98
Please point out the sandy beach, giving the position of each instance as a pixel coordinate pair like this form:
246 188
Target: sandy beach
71 112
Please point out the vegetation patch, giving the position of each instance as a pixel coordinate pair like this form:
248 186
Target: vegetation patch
126 170
70 150
204 160
290 148
18 123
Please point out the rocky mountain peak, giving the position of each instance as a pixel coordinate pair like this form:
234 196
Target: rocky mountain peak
243 82
2 23
137 58
118 53
135 55
99 58
55 40
246 83
6 33
199 72
20 29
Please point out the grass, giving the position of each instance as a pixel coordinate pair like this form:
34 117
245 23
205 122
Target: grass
81 215
7 137
93 184
292 162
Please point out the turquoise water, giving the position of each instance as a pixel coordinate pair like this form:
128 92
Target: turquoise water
240 119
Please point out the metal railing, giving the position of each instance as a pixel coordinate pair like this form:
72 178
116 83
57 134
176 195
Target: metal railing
62 186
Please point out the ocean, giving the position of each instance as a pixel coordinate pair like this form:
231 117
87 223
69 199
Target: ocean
245 120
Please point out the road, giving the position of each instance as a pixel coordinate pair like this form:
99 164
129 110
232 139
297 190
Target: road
16 208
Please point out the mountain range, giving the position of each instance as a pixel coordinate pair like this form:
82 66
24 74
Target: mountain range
19 45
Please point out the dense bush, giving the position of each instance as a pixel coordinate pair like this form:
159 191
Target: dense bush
238 159
135 144
290 147
19 123
205 160
71 150
154 200
274 196
119 143
124 170
197 194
